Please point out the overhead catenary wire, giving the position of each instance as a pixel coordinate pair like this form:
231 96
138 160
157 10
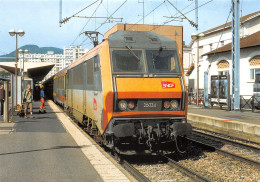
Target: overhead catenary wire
67 18
190 11
86 23
181 9
180 16
111 15
190 21
219 40
147 14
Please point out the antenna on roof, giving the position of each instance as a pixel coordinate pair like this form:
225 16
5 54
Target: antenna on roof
60 12
196 14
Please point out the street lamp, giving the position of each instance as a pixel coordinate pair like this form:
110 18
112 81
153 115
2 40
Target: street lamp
21 33
23 52
197 37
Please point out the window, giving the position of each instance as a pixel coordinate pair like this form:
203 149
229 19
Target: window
162 61
222 43
127 61
223 64
252 74
210 47
90 71
200 51
255 61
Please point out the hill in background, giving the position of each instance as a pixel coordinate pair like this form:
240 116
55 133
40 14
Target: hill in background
32 49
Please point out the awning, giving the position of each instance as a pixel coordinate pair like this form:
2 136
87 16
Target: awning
35 70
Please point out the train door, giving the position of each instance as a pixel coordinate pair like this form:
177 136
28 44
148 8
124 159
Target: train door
98 95
65 90
85 88
70 90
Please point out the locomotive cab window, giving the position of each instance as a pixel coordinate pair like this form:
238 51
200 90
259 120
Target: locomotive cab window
162 61
128 61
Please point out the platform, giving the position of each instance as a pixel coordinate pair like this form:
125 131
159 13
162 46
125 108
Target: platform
46 149
244 125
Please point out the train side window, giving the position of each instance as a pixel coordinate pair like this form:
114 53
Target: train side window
90 71
97 74
96 63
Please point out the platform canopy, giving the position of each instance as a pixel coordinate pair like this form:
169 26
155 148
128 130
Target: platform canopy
35 70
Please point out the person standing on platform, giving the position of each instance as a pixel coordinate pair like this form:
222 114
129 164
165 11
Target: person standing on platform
42 96
2 98
27 100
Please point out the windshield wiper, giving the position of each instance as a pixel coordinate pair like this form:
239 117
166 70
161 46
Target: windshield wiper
130 50
154 59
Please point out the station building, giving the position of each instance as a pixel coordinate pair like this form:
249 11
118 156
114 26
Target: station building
215 53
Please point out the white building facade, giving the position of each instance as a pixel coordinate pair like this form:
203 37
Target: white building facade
219 40
72 53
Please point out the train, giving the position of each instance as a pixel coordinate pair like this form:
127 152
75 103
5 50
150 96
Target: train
129 91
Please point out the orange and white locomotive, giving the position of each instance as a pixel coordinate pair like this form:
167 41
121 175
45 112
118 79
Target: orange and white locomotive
129 90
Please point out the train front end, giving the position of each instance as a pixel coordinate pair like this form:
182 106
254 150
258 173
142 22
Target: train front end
149 96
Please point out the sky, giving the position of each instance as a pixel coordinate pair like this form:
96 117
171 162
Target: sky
40 18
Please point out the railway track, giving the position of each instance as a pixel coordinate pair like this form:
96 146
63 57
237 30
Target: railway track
187 171
236 150
173 170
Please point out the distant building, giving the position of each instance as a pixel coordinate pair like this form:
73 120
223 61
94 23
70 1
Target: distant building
72 53
61 61
49 57
215 53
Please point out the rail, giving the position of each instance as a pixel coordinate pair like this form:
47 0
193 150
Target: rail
134 172
204 141
192 174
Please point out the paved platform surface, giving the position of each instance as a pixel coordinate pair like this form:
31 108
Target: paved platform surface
244 125
40 149
244 116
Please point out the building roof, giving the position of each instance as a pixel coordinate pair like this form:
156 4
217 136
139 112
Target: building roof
243 19
249 41
35 70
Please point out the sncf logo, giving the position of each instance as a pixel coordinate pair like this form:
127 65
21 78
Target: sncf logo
166 84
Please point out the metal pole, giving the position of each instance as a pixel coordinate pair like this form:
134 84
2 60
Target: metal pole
6 103
143 11
23 76
233 56
237 57
196 14
198 83
16 60
206 95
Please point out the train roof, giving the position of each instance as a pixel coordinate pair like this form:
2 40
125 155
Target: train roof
133 39
140 40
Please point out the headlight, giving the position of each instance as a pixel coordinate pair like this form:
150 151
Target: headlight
166 105
174 104
122 105
131 105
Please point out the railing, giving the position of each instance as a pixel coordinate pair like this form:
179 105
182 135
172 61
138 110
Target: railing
249 102
193 98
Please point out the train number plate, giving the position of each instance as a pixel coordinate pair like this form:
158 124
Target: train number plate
148 105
